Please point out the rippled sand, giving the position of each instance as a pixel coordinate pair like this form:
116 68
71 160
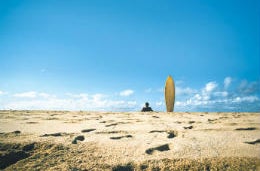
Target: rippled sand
61 140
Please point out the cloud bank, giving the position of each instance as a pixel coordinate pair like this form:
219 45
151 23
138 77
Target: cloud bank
126 92
42 101
226 96
216 97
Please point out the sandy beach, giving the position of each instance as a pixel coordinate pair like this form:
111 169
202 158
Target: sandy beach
65 140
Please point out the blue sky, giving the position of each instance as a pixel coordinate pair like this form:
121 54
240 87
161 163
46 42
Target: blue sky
115 55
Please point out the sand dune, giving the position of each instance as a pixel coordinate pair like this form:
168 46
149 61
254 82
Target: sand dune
63 140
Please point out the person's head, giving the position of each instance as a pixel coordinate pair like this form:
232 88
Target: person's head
146 104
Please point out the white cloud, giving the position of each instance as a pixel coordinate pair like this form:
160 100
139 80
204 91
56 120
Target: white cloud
81 95
45 95
197 97
184 91
210 86
227 82
245 99
98 96
29 94
132 102
158 103
247 88
221 93
1 92
33 94
127 92
99 101
207 91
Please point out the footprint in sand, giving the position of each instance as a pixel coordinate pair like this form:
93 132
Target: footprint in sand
161 148
78 138
32 122
211 120
253 142
231 124
87 130
112 132
120 137
127 167
171 133
8 133
153 131
114 124
29 147
58 134
188 127
16 132
223 117
246 129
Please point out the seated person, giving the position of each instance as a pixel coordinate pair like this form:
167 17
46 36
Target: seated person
147 108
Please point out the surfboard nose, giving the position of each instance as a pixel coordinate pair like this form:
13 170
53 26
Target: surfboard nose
169 77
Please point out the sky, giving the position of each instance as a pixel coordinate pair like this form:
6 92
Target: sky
116 55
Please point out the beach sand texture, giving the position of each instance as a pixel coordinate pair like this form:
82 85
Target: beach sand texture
65 140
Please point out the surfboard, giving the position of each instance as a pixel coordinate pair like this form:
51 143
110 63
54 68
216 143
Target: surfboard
169 94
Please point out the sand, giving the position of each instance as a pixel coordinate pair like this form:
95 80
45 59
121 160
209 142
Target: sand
64 140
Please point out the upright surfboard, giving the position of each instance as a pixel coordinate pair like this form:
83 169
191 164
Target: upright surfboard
169 94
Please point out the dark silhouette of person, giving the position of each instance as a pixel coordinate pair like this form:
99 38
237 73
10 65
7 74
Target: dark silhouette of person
147 108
